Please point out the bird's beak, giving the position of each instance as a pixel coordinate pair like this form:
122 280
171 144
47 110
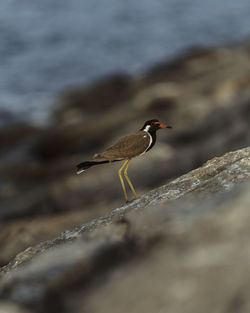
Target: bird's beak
164 126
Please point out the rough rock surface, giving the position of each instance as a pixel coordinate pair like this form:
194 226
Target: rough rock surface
183 247
204 95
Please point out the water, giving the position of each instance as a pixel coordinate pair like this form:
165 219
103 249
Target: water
49 45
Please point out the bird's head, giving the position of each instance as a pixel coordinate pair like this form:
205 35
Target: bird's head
154 125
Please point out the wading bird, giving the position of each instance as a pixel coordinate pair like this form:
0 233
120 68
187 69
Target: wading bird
126 148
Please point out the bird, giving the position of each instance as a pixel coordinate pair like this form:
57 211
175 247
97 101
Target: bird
126 149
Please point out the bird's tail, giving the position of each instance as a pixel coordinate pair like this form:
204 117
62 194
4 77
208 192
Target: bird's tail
85 165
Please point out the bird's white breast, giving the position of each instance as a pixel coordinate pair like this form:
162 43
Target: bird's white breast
147 134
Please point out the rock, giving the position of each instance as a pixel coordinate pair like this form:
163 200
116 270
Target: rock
197 85
105 92
204 95
6 307
164 251
24 232
16 139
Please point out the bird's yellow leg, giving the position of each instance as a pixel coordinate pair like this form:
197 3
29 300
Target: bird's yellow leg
128 180
122 182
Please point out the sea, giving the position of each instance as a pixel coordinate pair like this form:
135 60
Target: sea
47 46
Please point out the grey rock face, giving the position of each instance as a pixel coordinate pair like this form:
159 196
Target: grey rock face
204 95
183 247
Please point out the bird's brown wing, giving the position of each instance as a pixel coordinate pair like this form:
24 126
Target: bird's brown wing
126 148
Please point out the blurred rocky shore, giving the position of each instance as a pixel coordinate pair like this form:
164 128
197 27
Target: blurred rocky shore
183 247
204 95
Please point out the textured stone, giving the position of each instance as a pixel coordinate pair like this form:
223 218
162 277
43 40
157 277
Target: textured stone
204 95
181 248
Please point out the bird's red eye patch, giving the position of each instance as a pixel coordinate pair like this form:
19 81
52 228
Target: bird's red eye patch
156 123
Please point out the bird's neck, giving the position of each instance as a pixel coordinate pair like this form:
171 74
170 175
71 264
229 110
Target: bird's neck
152 134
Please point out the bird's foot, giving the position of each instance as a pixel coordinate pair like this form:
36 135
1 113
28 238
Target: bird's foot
130 201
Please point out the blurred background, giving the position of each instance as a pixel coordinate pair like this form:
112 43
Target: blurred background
76 75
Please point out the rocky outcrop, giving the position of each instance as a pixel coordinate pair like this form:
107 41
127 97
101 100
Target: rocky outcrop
204 95
182 248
